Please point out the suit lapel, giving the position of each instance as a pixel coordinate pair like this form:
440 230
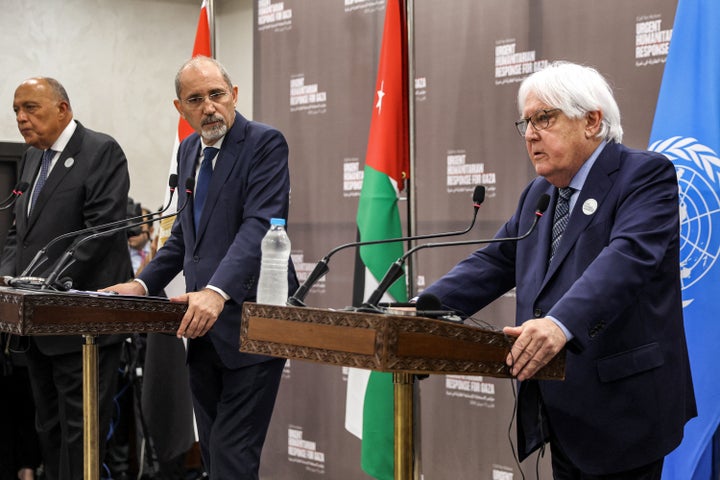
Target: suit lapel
544 228
596 187
188 163
33 159
62 167
224 165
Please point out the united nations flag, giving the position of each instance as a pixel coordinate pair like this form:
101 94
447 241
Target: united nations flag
687 130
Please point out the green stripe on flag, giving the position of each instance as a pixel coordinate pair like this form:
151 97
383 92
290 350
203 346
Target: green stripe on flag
378 219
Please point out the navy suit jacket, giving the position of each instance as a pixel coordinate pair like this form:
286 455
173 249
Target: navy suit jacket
250 184
615 284
87 186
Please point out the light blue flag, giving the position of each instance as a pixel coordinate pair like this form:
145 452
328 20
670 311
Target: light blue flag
687 130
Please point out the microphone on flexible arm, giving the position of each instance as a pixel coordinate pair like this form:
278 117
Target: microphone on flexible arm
68 257
396 269
321 268
19 189
40 257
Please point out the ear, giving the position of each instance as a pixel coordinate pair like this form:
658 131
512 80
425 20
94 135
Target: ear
593 122
178 107
63 109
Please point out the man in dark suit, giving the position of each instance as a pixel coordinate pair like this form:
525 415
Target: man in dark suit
607 288
78 178
218 249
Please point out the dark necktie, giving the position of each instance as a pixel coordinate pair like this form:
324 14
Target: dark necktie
42 177
560 220
203 183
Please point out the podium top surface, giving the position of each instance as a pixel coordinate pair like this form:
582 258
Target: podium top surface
390 343
42 312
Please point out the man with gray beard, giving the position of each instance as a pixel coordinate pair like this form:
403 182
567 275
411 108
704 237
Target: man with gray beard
242 182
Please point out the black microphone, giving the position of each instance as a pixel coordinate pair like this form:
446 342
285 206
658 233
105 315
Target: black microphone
41 257
430 306
67 259
12 198
396 269
321 268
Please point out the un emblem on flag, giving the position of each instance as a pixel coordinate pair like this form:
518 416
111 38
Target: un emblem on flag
697 168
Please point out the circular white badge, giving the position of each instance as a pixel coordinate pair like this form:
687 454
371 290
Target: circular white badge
69 162
589 206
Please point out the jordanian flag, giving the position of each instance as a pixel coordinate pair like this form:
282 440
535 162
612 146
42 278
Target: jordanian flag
386 168
202 47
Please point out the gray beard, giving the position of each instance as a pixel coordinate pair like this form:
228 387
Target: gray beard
212 134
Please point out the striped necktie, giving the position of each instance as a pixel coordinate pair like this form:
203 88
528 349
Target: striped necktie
560 220
42 176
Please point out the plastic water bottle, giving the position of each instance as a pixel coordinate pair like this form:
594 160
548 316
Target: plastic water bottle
273 283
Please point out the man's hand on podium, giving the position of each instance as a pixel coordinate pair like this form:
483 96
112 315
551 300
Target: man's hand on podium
127 288
539 340
204 307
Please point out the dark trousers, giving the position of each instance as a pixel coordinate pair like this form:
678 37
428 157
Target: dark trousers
233 409
19 446
57 389
564 469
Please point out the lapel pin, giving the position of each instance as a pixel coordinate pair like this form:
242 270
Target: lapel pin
589 206
69 162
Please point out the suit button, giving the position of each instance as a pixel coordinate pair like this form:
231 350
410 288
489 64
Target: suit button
196 259
538 313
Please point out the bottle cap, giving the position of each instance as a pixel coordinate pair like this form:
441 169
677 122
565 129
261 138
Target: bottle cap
277 221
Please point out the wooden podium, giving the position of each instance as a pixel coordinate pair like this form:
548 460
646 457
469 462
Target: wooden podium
401 344
44 312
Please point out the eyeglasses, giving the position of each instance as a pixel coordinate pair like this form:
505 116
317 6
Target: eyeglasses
540 120
197 102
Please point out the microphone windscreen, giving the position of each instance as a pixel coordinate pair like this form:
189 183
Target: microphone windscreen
428 302
479 195
190 184
543 203
22 186
172 183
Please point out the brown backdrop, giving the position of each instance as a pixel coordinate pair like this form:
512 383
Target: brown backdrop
315 67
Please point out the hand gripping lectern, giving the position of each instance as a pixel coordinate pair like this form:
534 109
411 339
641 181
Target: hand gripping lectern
44 312
401 344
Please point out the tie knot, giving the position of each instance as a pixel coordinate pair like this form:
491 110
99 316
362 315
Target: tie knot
209 153
566 192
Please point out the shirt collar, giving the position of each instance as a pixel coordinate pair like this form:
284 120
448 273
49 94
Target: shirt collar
64 137
578 180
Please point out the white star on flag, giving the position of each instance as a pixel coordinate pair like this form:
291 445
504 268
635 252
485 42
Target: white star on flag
380 95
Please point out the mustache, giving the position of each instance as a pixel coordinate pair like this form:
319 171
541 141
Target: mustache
212 119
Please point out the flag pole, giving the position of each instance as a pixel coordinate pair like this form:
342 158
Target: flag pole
211 24
403 382
411 188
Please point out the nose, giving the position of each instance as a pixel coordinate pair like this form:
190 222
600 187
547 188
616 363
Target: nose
530 133
208 106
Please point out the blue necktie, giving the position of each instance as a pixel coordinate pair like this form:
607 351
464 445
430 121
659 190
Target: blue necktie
42 177
560 220
203 183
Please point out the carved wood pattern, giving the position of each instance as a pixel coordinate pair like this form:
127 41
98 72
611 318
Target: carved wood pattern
32 312
388 329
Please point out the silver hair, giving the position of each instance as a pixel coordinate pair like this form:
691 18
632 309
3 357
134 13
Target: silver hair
576 90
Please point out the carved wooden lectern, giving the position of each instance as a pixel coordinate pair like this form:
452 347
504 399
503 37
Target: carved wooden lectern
43 312
401 344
